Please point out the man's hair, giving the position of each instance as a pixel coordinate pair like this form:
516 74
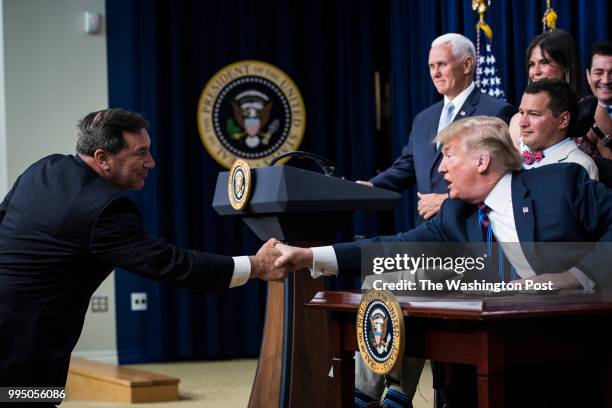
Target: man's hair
461 46
562 96
600 48
104 130
485 134
561 47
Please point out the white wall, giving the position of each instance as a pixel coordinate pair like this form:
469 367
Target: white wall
54 73
3 143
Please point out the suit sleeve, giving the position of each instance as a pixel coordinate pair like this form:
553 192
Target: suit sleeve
592 203
118 238
348 254
401 175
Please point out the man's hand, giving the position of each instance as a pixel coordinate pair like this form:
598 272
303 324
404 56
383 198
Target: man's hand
429 204
298 257
262 264
365 183
563 280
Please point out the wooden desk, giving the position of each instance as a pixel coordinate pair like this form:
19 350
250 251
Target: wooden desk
489 333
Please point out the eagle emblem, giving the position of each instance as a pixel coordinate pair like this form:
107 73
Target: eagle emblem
251 110
378 331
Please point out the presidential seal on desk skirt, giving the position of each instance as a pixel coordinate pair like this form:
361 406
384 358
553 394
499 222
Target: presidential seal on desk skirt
239 184
380 331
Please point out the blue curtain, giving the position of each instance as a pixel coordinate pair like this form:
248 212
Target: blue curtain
161 53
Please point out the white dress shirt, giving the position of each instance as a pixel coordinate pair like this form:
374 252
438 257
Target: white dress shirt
242 271
501 217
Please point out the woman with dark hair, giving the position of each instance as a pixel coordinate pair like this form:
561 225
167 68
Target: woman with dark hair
550 55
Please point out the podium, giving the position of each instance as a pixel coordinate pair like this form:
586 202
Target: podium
302 208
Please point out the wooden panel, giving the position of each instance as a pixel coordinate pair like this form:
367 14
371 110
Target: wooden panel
93 381
311 356
157 393
266 387
115 374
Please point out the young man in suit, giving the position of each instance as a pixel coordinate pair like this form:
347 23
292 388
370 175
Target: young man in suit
65 225
548 109
481 166
452 61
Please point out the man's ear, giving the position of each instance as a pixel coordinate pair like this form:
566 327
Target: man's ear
484 162
103 159
564 120
588 76
468 65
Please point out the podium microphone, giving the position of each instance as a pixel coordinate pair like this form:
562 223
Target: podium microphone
327 166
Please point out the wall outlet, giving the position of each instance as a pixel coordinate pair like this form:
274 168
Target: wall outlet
99 304
139 301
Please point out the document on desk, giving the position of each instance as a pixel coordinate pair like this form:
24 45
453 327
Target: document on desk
458 304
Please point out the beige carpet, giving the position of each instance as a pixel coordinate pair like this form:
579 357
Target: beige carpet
222 384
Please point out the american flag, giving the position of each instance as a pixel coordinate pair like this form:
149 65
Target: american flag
487 75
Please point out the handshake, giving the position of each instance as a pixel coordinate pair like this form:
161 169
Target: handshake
274 260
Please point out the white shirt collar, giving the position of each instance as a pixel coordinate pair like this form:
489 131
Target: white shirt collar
556 146
460 99
545 152
501 196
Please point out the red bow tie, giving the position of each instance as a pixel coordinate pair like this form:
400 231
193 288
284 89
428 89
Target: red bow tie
531 157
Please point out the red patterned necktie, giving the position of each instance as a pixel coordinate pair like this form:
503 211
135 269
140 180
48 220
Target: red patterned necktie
485 223
531 157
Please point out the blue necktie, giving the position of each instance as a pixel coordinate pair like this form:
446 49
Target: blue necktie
447 119
609 109
450 108
505 269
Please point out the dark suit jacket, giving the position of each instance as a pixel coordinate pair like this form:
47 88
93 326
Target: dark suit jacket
420 159
554 203
62 230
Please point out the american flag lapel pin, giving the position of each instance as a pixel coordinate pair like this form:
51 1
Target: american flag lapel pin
525 210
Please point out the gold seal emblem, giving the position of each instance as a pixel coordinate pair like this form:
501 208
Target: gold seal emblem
380 331
250 110
239 184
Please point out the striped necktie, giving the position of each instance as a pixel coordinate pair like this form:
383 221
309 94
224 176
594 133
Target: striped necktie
505 269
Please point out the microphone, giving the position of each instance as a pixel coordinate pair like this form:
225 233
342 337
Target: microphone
327 166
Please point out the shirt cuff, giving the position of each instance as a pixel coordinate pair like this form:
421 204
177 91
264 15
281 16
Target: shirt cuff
586 283
242 271
324 262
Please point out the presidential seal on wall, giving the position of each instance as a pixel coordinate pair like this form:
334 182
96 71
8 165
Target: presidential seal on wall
239 184
380 331
250 110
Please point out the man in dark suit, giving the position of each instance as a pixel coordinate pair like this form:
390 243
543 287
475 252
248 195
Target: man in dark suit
452 60
554 203
65 225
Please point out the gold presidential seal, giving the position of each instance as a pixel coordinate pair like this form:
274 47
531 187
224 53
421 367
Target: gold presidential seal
250 110
380 331
239 184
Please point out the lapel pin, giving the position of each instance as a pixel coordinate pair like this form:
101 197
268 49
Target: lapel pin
525 210
462 113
